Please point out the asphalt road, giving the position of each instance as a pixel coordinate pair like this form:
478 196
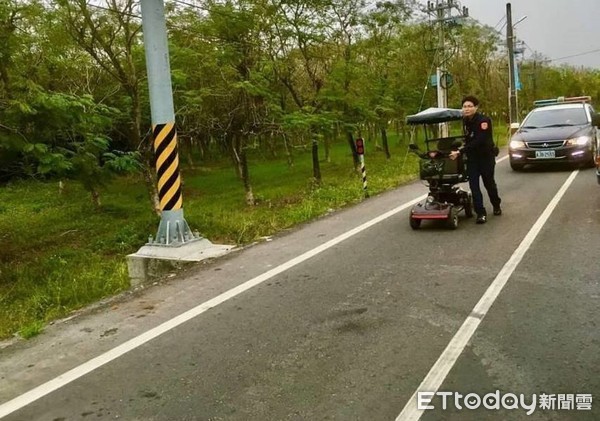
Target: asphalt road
351 330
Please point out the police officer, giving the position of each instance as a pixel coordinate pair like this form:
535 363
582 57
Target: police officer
480 151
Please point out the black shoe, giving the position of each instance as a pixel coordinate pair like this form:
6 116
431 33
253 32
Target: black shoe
481 219
497 210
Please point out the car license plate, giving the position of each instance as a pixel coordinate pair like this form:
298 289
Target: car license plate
545 154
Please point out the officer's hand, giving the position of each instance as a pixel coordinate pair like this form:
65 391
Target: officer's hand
454 154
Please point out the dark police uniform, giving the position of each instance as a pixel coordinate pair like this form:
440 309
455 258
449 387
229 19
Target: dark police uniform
480 150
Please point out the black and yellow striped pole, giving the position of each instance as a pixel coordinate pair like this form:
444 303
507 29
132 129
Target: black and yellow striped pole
360 150
167 166
173 230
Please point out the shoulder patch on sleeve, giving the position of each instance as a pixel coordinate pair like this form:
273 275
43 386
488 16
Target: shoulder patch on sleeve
484 125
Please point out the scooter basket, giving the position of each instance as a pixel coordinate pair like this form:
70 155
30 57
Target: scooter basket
431 168
442 168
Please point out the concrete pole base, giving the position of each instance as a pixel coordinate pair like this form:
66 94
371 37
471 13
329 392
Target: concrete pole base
154 261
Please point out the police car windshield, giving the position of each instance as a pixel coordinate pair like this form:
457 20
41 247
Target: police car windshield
556 118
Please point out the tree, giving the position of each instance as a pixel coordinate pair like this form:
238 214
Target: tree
111 36
381 56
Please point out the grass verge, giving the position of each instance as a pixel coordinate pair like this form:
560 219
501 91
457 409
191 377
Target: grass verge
58 253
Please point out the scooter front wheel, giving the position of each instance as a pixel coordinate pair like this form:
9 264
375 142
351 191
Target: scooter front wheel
415 223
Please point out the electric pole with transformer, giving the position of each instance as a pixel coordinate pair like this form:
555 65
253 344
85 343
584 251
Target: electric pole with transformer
442 11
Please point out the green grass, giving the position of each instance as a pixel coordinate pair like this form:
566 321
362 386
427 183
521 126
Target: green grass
59 253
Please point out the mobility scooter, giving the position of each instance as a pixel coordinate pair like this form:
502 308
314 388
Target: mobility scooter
440 173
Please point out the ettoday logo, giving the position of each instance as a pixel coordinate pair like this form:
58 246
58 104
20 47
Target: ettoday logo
497 400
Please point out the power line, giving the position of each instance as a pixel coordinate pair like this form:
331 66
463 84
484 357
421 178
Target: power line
120 12
529 48
195 6
185 3
576 55
499 22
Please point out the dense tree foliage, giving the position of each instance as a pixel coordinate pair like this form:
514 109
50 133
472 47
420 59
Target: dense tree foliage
247 74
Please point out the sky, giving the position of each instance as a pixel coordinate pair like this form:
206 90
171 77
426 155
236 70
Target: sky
558 29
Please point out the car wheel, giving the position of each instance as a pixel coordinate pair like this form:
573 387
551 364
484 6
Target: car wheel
415 223
592 162
516 167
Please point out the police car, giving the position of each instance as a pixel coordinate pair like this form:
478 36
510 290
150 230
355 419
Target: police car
557 130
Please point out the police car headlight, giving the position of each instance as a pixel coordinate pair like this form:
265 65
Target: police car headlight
579 141
516 144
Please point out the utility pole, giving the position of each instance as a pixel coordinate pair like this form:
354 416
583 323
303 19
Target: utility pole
173 229
442 11
534 77
512 89
442 89
174 239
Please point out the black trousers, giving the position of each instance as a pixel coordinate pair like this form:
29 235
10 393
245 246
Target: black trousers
484 169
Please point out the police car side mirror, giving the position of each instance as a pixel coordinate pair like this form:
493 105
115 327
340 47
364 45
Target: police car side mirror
596 119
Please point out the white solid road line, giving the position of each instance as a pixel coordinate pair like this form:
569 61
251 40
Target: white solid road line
446 361
89 366
85 368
